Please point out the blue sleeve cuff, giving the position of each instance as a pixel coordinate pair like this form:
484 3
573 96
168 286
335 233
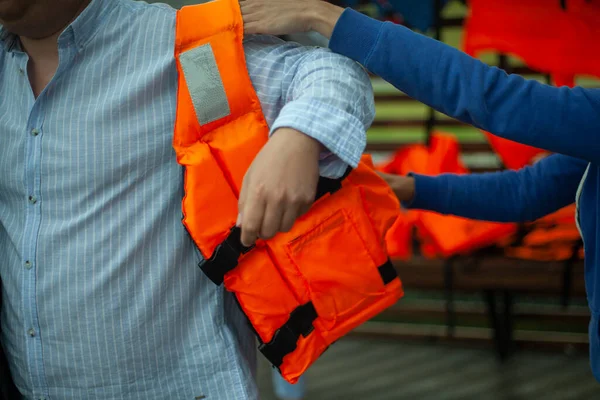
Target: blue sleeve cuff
431 193
355 35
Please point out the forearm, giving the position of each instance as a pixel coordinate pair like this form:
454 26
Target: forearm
507 196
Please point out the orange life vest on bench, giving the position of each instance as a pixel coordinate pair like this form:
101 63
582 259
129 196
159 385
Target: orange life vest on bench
301 290
439 235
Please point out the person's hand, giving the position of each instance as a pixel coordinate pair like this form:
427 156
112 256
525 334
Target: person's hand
403 186
279 186
281 17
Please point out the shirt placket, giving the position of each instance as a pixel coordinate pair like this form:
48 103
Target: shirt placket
33 207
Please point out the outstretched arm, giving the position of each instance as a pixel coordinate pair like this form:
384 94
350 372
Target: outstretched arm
507 196
560 120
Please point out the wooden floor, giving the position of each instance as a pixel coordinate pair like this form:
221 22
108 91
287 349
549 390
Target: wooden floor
392 370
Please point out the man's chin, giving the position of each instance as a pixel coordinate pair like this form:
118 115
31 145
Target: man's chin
38 20
25 31
11 11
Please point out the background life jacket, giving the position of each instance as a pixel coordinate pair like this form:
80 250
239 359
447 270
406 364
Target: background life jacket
439 235
513 155
552 238
555 37
301 290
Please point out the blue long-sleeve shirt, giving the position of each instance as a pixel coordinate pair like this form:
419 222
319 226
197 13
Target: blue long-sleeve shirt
562 120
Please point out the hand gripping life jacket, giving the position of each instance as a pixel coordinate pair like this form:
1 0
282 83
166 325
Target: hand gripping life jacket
301 290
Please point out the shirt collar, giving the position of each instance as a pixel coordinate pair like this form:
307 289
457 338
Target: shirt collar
87 24
82 30
7 40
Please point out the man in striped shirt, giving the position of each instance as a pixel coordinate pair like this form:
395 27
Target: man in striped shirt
102 297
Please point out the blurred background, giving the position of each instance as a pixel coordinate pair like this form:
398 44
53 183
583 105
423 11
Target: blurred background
491 311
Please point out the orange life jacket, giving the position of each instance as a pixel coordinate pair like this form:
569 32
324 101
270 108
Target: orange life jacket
548 38
551 238
554 237
439 235
512 154
441 156
301 290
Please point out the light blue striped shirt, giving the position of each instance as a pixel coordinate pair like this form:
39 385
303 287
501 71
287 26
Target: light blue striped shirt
102 296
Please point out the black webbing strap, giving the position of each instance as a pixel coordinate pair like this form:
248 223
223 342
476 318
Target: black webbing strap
388 272
226 255
285 339
327 185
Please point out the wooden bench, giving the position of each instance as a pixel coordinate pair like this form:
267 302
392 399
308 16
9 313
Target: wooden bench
497 278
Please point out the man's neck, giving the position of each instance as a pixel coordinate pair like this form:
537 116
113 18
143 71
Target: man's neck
43 55
43 61
42 50
47 48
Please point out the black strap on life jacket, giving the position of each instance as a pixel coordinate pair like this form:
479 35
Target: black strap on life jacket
285 339
226 255
387 272
300 323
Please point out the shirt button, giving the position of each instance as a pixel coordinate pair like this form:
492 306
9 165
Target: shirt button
32 199
28 264
35 132
31 332
21 71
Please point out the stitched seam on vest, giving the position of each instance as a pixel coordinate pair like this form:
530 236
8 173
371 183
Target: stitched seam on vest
204 84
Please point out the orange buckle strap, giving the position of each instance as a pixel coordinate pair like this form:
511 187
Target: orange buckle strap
285 339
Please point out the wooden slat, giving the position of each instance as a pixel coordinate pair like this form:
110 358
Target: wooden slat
406 123
452 22
479 170
388 97
471 335
492 272
427 310
473 147
524 70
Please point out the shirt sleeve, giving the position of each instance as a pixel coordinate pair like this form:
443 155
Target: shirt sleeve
505 196
562 120
324 95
